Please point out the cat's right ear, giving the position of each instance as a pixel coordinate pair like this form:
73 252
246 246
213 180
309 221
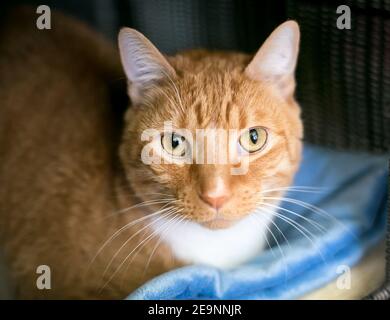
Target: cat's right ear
143 64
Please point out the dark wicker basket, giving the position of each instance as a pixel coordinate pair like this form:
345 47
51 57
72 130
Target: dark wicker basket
343 74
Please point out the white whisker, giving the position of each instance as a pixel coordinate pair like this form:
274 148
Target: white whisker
295 189
264 236
276 226
298 227
127 226
310 221
176 221
140 205
279 247
174 213
314 209
165 215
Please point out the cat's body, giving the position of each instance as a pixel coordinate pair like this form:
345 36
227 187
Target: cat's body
57 139
64 174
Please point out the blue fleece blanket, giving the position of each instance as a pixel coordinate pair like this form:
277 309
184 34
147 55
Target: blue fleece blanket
351 219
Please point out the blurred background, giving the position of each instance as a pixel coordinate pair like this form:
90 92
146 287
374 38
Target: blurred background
343 76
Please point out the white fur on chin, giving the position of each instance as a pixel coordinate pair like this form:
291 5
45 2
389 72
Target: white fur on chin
221 248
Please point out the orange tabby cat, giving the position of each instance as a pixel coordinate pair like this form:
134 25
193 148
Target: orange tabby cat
90 205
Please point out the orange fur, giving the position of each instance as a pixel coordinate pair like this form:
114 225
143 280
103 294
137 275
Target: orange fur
63 182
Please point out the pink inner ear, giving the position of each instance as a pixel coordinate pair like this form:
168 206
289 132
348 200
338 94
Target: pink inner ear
277 56
142 62
276 59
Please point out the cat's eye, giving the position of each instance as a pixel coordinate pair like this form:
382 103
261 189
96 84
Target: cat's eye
253 139
174 144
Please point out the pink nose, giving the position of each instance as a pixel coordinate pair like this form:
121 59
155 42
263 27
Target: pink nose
215 202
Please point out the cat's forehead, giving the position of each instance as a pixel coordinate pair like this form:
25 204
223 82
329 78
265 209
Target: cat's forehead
212 91
217 101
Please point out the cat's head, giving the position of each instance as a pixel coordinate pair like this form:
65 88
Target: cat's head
195 96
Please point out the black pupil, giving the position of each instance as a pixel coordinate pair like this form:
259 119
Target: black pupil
175 141
253 135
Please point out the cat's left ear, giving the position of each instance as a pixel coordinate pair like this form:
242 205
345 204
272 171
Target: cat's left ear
143 64
276 60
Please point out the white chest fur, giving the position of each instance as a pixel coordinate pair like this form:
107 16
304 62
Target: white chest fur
222 248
